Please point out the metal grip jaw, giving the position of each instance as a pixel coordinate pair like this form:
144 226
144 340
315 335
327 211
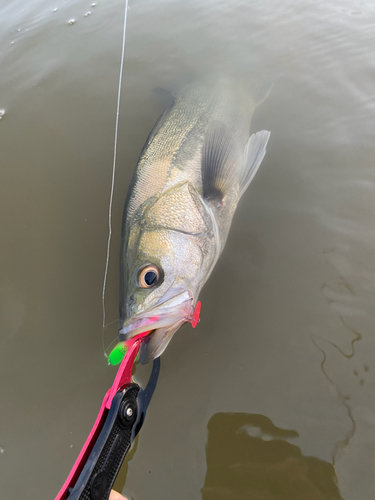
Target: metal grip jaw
113 443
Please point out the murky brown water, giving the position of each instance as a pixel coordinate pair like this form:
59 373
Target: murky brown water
272 396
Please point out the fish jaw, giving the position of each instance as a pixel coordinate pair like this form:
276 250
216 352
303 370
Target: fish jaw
156 343
163 320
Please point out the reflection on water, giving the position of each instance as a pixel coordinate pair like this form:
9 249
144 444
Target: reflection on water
249 458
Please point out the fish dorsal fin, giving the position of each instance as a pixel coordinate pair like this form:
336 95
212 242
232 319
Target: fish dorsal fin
220 160
255 150
166 95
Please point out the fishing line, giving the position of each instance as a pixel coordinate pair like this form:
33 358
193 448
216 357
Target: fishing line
113 170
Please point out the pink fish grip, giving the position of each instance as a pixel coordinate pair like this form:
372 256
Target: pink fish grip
123 377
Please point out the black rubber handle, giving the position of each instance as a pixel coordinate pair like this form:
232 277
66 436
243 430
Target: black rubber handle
104 462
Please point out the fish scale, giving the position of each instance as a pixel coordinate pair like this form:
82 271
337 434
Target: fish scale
177 210
159 159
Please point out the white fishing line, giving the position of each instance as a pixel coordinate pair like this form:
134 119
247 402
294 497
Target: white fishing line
114 167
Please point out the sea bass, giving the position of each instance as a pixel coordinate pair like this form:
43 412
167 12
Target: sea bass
194 167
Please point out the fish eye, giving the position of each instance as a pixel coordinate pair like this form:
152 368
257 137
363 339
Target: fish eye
149 276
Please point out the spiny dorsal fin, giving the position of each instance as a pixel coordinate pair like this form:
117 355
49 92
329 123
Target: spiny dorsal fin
166 95
220 160
255 150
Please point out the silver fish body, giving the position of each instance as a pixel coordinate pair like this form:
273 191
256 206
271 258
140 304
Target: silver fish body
196 163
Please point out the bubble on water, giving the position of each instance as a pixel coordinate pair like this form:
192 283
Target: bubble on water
12 43
19 29
2 450
71 21
87 13
55 9
71 446
93 4
2 113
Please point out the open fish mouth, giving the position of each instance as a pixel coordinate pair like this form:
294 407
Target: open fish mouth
163 320
157 341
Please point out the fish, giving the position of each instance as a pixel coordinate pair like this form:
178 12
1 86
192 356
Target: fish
196 164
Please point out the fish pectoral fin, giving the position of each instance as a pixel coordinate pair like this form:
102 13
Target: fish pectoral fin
221 159
255 150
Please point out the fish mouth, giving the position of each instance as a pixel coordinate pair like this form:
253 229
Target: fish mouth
163 320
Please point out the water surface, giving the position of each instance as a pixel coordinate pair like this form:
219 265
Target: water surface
282 360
